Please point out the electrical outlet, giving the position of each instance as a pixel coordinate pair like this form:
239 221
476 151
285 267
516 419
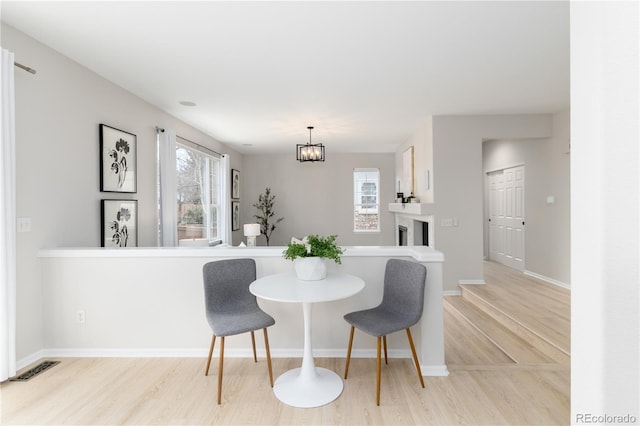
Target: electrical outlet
81 317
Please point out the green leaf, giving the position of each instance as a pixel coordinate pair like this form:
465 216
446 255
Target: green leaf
320 247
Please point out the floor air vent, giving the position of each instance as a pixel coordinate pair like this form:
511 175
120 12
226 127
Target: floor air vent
43 366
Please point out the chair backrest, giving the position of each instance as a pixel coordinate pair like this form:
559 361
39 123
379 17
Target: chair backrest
404 284
226 284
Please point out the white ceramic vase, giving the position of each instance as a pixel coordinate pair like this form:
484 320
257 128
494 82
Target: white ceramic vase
310 268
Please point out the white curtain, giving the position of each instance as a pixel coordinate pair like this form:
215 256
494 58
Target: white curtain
167 188
225 196
7 222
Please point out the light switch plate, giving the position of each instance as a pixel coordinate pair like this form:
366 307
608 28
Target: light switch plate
23 224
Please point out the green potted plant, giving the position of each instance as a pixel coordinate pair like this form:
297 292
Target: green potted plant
309 255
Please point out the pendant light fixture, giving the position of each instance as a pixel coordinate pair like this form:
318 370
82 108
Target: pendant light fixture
309 151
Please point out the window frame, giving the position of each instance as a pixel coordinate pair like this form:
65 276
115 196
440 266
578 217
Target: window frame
358 194
212 157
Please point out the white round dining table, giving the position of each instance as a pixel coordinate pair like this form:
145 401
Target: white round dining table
307 386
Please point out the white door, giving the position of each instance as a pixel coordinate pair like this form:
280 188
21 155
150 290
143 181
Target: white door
496 216
506 217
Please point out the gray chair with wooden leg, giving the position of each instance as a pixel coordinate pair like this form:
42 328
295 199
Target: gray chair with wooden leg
231 309
401 307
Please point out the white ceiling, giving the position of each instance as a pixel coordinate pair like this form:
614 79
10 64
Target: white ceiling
365 74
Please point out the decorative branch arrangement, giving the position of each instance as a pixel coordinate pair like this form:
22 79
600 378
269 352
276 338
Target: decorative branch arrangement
264 218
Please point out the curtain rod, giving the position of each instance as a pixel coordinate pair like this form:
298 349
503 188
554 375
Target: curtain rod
161 130
24 67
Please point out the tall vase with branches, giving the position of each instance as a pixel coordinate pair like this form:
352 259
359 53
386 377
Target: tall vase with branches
266 213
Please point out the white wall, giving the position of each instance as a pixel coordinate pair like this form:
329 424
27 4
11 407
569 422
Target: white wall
58 111
317 198
457 181
123 320
547 169
605 213
422 142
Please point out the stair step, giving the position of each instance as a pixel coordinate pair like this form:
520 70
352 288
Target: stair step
541 337
543 308
518 343
465 346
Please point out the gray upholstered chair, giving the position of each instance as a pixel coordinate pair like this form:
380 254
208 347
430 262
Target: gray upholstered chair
401 307
231 309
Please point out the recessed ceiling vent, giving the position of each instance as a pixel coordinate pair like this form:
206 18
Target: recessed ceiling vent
43 366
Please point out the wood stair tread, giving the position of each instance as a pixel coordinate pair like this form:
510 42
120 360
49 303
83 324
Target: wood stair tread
544 317
464 345
517 348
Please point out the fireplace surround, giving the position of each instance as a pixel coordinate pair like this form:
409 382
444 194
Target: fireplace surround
414 229
402 235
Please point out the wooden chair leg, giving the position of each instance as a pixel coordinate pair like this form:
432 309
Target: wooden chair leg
346 369
378 362
266 345
253 345
220 366
415 357
213 342
384 342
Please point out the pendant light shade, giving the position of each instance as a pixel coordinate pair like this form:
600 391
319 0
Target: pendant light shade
309 151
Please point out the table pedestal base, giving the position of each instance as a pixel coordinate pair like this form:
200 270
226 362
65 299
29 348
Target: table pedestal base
296 390
307 386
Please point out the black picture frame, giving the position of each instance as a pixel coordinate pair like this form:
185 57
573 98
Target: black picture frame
235 215
119 223
235 183
118 160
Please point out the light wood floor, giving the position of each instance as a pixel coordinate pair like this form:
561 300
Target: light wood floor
486 385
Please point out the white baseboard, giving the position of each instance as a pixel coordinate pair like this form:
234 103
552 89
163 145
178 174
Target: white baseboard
547 279
24 362
138 353
433 370
371 353
471 282
458 292
202 353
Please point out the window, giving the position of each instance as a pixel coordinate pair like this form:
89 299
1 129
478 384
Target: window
198 194
366 195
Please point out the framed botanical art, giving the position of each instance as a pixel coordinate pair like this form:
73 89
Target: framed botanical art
235 183
118 157
119 221
235 215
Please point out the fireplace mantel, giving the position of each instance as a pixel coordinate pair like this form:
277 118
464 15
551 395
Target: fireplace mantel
419 209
